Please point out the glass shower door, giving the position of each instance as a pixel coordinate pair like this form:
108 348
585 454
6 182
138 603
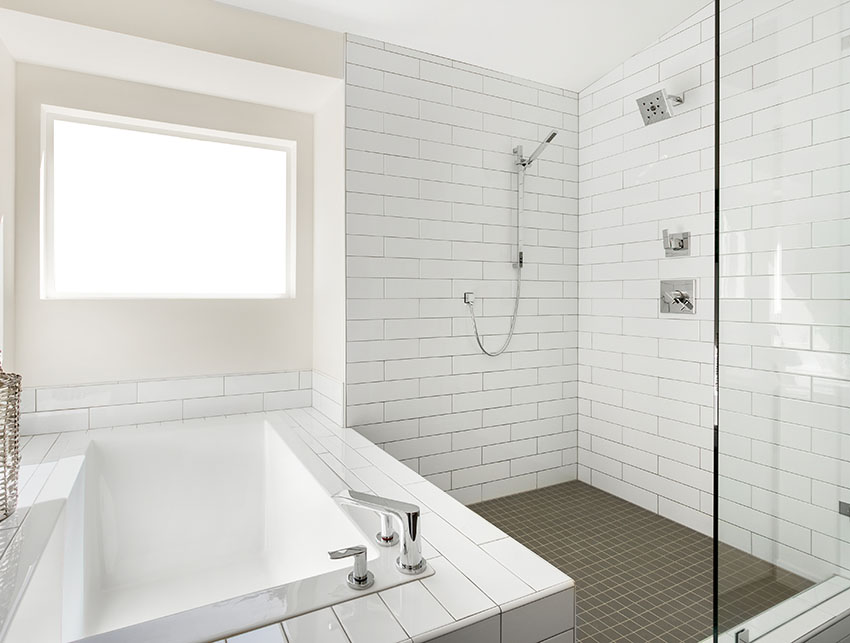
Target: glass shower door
784 317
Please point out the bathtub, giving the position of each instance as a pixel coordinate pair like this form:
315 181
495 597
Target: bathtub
191 532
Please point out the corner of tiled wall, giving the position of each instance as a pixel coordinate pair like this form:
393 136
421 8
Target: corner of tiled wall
645 426
645 422
431 196
328 397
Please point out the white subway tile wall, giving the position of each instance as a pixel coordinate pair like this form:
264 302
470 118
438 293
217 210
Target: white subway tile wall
784 360
328 397
431 214
78 408
645 386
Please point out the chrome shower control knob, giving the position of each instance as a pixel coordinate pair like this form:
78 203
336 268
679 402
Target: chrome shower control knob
359 577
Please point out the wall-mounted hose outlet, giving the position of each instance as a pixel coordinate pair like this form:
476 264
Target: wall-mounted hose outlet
469 298
677 245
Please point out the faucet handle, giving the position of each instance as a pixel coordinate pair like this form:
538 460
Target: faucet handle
359 577
347 552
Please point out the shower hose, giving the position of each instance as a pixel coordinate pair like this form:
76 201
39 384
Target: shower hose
520 208
513 320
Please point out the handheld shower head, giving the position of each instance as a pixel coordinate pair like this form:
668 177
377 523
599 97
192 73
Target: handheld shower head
541 147
526 162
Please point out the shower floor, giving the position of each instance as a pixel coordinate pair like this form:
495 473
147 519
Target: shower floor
639 577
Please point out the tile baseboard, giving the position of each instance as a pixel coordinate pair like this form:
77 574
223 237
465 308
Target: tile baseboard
57 409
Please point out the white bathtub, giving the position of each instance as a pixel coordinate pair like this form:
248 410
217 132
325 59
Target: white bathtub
190 533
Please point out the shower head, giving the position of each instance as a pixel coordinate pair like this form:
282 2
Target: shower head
658 106
526 162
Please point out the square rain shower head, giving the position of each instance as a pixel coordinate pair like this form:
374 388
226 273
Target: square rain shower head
657 106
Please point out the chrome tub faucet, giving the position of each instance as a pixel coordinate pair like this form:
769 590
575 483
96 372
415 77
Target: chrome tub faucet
410 560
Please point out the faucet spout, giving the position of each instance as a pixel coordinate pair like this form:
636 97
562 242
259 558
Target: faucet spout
410 560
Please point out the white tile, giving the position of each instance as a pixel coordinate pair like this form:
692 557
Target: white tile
227 405
493 579
143 413
179 389
454 591
287 400
541 619
28 400
368 620
507 486
320 626
54 421
76 397
383 60
476 528
415 608
527 565
483 631
260 383
270 634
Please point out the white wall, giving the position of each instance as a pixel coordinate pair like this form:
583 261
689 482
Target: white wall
7 205
786 285
74 342
646 380
430 213
329 256
205 25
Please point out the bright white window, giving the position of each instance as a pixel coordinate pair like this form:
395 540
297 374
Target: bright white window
140 209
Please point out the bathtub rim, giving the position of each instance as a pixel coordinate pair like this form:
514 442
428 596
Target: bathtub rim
217 620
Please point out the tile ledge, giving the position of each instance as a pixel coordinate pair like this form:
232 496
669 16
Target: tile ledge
466 621
538 595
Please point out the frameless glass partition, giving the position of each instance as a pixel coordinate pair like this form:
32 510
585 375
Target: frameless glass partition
784 317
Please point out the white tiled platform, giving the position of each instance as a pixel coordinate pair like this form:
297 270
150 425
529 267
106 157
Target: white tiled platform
486 586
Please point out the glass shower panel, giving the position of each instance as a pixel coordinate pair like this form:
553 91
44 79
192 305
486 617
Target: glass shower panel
784 369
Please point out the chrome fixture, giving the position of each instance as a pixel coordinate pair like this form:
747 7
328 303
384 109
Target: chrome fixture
387 537
525 162
677 245
359 577
658 106
522 164
677 297
410 560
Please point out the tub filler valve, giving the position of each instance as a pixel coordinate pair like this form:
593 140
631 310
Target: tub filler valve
406 515
677 297
359 577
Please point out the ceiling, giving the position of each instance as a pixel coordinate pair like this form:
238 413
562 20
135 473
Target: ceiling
566 43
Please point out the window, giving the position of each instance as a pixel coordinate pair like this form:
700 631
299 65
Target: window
139 209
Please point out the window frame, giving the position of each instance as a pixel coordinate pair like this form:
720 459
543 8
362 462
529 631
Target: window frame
51 113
